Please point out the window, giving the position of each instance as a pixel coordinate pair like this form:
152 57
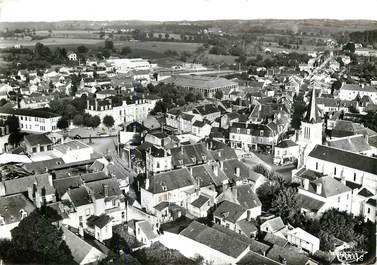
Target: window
338 199
316 165
158 165
123 215
354 176
87 212
227 225
368 210
335 171
80 219
114 202
34 149
42 148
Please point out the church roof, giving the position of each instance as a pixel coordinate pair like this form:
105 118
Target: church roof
312 114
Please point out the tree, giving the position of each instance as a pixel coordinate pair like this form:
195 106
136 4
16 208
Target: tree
95 121
40 241
339 224
78 120
286 205
15 135
190 97
62 123
13 124
82 49
126 50
299 108
108 121
335 86
109 44
219 94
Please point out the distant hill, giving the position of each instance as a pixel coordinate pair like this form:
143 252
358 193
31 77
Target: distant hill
305 25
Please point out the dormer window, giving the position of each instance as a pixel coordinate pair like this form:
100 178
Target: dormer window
261 133
193 159
180 161
23 213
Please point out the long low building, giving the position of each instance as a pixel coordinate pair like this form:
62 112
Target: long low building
33 120
206 85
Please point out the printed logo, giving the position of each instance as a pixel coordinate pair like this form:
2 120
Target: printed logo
351 256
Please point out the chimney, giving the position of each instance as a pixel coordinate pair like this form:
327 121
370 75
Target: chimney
234 193
81 231
306 184
37 199
216 170
147 183
106 190
95 104
237 171
319 188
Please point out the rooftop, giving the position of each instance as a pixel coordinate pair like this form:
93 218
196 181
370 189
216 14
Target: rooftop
345 158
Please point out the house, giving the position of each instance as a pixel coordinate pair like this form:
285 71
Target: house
341 164
355 143
201 128
208 111
318 195
303 240
38 188
100 226
72 56
200 240
37 143
166 186
228 214
244 196
286 151
84 251
33 120
274 226
351 91
158 159
35 102
124 65
200 207
94 198
191 154
131 109
251 136
73 151
145 233
13 209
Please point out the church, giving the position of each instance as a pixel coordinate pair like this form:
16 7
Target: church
311 132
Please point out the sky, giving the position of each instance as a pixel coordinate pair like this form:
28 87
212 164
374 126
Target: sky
172 10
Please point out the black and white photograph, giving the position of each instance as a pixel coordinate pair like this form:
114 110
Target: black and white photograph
188 132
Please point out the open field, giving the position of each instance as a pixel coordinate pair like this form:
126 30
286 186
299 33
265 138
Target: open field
160 46
63 42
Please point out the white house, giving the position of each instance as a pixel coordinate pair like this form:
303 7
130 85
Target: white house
158 159
13 209
286 151
72 56
201 128
83 251
73 151
33 120
146 232
200 240
350 92
318 195
124 65
304 240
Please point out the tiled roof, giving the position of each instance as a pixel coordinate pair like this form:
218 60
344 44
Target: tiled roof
11 207
99 221
170 180
207 109
253 258
35 139
345 158
68 146
147 229
40 113
214 239
186 153
200 201
79 196
286 144
98 188
309 203
356 144
252 129
229 211
276 224
198 82
292 255
20 185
